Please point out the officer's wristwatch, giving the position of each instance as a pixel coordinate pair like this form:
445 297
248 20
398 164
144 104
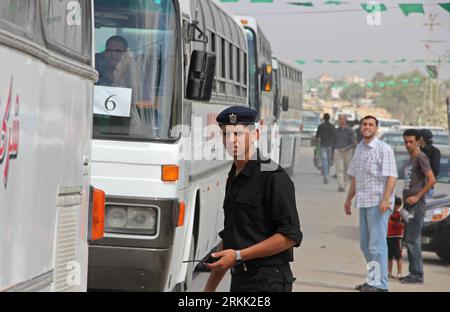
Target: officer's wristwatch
238 256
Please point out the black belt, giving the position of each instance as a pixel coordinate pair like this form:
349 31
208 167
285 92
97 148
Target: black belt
246 267
242 267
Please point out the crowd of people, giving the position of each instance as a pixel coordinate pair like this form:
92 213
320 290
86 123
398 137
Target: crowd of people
370 165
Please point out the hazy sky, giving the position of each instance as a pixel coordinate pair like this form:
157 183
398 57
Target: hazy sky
331 32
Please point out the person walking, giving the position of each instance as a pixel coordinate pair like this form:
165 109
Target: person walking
261 224
374 175
326 136
433 154
419 179
344 145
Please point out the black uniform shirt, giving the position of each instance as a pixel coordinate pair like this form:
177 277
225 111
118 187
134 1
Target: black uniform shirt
257 205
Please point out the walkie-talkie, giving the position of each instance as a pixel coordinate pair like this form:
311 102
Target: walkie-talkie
208 259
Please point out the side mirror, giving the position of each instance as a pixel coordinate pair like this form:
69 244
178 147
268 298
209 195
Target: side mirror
266 78
201 76
285 103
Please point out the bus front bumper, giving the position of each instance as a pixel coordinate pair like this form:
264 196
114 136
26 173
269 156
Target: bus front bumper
114 268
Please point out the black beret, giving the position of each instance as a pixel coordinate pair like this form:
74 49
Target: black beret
237 115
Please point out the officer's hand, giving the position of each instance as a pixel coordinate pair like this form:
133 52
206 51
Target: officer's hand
226 259
348 207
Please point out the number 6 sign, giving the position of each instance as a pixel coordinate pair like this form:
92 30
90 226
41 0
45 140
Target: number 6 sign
112 101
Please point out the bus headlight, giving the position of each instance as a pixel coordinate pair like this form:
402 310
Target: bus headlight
131 220
116 217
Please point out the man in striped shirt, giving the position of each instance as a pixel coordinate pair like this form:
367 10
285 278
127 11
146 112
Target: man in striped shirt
374 175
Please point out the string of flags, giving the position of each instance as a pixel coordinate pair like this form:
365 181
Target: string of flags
368 61
416 81
406 8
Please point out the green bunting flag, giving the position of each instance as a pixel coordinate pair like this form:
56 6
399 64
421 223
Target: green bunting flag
391 83
410 8
369 61
445 6
336 2
308 4
369 84
371 8
229 1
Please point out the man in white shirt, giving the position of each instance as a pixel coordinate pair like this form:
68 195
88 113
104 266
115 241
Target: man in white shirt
374 175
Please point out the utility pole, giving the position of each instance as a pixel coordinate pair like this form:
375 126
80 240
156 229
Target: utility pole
431 85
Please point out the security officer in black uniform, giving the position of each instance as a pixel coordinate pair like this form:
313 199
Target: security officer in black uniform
261 221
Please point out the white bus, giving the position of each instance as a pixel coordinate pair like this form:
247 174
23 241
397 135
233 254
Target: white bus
156 71
288 98
261 93
46 89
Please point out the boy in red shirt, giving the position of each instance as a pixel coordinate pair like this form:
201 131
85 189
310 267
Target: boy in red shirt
394 239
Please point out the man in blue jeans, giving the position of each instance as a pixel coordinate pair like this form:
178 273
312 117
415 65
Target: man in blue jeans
326 133
374 174
419 179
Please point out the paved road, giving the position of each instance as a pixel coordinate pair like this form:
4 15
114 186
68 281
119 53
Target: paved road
329 258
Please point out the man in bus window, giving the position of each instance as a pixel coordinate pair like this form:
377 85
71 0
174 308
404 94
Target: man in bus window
261 224
113 62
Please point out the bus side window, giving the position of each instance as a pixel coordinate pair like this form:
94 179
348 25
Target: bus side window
66 27
17 15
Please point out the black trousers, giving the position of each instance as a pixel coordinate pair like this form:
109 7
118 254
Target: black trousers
276 278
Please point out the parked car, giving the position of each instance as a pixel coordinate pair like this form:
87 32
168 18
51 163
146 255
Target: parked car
385 125
401 156
433 129
311 120
395 138
436 228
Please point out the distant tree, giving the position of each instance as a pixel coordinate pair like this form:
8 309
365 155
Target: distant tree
405 99
353 92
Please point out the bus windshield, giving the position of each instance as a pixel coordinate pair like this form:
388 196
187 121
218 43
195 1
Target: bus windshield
252 69
135 45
